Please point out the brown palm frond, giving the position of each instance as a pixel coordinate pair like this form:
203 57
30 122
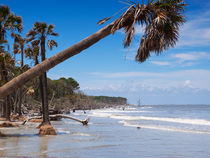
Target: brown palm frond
35 43
161 18
125 20
161 33
51 44
15 48
54 34
50 28
40 27
31 33
103 20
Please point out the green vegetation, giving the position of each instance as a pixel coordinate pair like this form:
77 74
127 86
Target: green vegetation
110 100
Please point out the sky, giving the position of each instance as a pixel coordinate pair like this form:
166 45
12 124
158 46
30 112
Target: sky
180 75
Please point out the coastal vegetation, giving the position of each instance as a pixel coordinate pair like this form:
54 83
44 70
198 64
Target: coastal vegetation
161 19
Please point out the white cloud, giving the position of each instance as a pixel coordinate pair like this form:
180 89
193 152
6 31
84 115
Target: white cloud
160 63
196 32
125 74
184 86
198 73
192 56
187 83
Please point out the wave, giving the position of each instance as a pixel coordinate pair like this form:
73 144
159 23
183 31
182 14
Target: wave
62 130
163 119
163 128
121 111
173 120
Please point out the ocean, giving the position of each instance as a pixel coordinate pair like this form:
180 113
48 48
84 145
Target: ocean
150 131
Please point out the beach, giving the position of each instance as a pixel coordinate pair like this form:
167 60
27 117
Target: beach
163 131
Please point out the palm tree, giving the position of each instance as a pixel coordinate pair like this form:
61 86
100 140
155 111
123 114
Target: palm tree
38 35
32 52
19 44
8 22
161 18
6 65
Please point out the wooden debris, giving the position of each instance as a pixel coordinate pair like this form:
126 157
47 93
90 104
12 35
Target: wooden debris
8 124
57 117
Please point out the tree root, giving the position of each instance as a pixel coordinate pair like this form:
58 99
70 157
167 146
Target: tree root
47 129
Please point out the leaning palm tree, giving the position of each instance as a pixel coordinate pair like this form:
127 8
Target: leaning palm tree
38 36
8 23
161 18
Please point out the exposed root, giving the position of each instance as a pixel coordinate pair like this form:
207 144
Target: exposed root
8 124
46 129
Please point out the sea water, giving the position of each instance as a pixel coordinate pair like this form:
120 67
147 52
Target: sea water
152 131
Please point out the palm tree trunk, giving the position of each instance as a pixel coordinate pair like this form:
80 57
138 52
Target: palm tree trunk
20 90
8 110
54 60
40 85
7 99
45 109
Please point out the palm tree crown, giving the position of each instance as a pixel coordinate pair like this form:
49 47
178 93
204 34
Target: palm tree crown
40 32
8 22
161 18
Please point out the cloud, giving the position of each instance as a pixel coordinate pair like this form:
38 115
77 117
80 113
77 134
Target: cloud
160 63
184 86
155 91
125 74
192 56
197 73
196 31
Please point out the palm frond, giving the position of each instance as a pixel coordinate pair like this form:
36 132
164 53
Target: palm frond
31 33
51 44
103 20
50 28
35 43
53 34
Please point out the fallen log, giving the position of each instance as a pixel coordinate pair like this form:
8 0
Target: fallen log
57 116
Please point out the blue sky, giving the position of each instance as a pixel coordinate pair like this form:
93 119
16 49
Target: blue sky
180 75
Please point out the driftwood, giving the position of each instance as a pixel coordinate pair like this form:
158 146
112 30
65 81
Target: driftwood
57 116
